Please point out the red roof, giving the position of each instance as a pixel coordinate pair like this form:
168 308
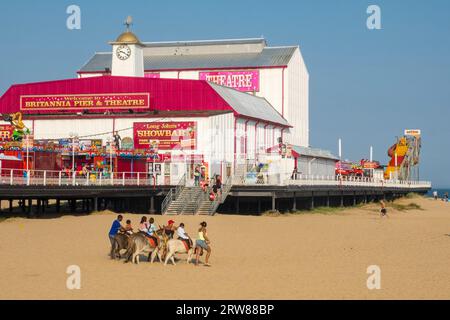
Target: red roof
165 94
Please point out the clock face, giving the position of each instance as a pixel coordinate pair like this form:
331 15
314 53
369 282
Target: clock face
123 52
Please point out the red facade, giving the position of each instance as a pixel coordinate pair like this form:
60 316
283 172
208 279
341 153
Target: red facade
166 95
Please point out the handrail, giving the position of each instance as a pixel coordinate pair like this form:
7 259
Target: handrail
226 187
173 194
320 180
167 201
11 176
180 186
66 178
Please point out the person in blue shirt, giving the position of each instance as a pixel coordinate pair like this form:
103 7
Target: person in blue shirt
115 228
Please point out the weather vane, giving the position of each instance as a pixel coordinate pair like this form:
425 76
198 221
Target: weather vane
128 22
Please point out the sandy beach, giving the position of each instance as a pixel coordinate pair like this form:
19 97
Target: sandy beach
303 256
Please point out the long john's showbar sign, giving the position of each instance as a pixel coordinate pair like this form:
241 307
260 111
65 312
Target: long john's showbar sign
76 102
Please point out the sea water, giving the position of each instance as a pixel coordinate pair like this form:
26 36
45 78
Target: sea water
441 192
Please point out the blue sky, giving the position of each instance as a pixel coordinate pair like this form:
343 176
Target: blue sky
366 86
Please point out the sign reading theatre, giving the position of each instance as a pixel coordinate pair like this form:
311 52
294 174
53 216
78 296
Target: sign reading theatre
165 135
239 80
72 102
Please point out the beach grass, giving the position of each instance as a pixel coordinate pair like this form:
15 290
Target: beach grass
412 195
405 207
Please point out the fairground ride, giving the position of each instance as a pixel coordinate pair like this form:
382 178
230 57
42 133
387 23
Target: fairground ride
405 156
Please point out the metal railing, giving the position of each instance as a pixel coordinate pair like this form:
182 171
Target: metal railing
167 201
180 186
15 177
173 194
69 178
226 188
355 181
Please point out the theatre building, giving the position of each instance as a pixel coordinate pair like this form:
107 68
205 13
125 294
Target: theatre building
275 73
164 108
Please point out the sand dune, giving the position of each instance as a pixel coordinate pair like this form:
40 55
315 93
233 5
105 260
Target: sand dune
286 257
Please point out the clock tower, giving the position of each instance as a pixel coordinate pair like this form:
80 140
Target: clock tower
127 54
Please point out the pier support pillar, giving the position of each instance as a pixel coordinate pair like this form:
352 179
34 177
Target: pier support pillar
30 205
274 202
354 199
10 205
342 200
38 206
58 205
312 201
294 205
328 199
95 204
152 204
237 205
73 205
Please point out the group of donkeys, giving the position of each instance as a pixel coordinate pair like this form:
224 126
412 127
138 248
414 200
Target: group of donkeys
138 243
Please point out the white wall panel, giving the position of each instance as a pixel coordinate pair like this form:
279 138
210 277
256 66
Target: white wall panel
56 129
297 99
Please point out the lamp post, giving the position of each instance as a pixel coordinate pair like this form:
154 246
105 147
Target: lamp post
340 148
27 142
110 142
73 136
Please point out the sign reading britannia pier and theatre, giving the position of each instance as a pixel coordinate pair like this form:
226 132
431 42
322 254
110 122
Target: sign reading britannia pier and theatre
73 102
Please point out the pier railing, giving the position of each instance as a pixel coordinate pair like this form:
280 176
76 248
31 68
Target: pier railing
320 180
19 177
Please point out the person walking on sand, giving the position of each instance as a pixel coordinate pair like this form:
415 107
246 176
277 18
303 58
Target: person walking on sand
383 210
115 228
203 242
435 195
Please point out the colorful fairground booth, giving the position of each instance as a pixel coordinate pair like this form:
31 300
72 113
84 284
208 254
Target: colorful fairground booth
164 128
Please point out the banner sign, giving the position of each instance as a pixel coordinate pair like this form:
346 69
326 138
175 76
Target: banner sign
85 102
6 132
127 143
97 143
165 135
85 145
239 80
412 132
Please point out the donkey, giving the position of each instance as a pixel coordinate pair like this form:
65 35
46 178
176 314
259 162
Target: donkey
178 246
139 243
120 242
